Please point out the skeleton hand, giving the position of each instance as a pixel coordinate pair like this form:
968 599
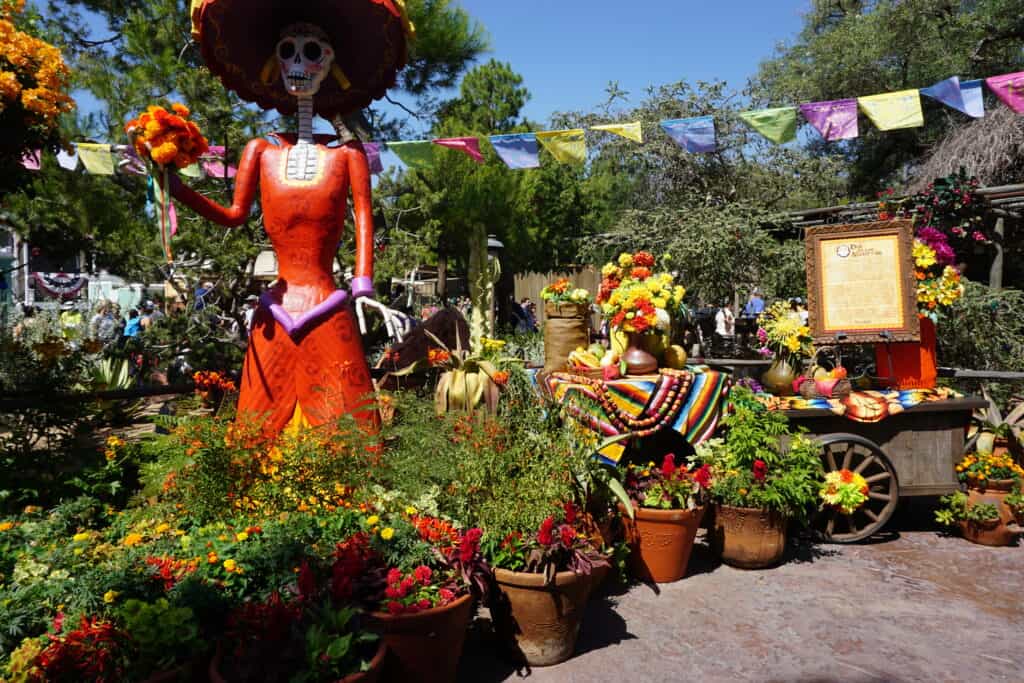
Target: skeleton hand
397 324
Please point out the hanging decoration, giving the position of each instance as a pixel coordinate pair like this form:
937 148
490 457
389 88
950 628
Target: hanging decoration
61 285
974 98
215 166
893 110
414 153
97 159
372 150
834 119
948 92
517 150
31 160
567 146
631 131
778 125
1010 89
695 135
469 145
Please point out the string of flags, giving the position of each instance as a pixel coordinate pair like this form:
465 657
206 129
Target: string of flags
833 120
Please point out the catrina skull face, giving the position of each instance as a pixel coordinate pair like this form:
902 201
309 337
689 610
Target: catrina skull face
305 60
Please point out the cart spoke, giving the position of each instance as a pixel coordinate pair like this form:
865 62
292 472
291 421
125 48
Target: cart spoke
852 524
864 464
831 459
877 477
830 527
847 456
879 496
870 514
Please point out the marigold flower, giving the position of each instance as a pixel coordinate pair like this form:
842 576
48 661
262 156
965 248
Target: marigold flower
6 526
387 533
372 519
132 539
80 537
230 565
211 557
110 596
241 536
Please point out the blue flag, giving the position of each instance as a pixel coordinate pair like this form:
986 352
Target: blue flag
517 150
948 92
694 135
974 100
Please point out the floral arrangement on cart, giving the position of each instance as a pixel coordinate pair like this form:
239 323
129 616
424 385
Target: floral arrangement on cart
787 341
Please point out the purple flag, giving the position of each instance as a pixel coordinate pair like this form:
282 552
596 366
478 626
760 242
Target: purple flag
694 135
372 150
974 99
31 160
1010 89
471 146
835 119
517 150
948 92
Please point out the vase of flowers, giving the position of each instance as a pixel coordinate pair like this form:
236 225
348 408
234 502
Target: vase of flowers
787 341
913 364
566 325
640 303
668 501
544 579
759 485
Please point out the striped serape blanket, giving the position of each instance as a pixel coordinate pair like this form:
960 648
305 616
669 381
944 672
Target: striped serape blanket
862 406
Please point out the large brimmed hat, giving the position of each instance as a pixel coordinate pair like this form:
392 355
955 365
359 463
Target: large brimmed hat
238 37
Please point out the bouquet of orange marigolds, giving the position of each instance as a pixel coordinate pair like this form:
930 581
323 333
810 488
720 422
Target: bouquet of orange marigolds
167 137
844 490
634 298
561 291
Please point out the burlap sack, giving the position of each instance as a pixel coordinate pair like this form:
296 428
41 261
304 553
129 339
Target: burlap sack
565 330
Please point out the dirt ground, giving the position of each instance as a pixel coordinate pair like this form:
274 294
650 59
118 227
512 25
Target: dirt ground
914 606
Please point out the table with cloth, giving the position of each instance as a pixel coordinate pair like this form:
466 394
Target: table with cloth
688 402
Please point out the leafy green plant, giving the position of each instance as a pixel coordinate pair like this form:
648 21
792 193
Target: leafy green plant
162 635
335 646
957 508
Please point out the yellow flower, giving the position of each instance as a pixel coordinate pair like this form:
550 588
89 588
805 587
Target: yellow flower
6 526
110 596
743 492
211 557
230 565
625 260
241 536
372 519
162 527
386 533
80 537
410 510
132 539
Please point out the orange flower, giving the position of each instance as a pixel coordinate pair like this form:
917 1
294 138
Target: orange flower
437 356
500 378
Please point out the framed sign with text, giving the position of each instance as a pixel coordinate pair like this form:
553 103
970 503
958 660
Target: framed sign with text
860 282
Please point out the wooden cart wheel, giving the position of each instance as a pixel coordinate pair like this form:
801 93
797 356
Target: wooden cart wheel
863 456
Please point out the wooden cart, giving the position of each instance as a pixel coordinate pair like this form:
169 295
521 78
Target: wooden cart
912 453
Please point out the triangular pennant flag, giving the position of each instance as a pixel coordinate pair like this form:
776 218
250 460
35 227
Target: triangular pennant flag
31 160
974 98
834 119
192 171
1010 89
372 150
694 135
469 145
632 130
778 125
414 153
69 162
893 110
567 146
97 159
948 92
214 166
517 150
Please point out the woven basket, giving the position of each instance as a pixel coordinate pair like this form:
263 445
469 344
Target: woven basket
592 373
809 387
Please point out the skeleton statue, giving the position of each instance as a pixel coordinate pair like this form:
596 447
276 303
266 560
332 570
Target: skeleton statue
305 363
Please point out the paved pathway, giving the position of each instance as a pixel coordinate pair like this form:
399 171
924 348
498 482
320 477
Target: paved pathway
920 607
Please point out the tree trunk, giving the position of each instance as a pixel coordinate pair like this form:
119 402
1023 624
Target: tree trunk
995 273
442 276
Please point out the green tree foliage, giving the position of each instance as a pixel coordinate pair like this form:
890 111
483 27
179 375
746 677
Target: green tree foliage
850 48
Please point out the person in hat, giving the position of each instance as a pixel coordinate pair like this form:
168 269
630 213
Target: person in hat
70 321
249 311
305 362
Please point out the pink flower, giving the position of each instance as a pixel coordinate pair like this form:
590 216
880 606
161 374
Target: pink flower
762 335
978 236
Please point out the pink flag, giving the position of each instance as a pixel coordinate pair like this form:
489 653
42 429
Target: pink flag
30 160
835 119
172 217
1010 89
470 146
214 168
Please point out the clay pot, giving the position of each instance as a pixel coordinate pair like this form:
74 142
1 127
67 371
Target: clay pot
638 360
425 646
996 533
661 541
778 379
371 675
543 620
749 538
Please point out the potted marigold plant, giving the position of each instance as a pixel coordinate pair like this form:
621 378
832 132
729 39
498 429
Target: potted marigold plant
544 582
788 341
758 484
990 479
668 502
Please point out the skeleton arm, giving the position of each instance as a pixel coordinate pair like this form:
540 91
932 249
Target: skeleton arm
245 191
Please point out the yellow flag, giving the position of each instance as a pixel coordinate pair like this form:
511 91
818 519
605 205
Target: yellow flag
632 131
568 146
893 110
97 159
192 171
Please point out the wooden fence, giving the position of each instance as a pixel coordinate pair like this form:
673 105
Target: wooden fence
528 285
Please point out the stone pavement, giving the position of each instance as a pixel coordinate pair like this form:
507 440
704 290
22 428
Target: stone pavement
918 606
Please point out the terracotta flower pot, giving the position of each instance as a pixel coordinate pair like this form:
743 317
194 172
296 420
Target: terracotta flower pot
749 538
371 675
994 493
425 646
544 620
661 541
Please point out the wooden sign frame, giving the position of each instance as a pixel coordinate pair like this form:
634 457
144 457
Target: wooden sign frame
884 264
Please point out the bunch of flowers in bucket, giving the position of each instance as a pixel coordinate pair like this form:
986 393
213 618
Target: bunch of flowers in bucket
634 298
561 291
783 334
844 490
938 282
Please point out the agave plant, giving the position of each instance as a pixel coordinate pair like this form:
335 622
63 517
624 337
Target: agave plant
114 375
991 425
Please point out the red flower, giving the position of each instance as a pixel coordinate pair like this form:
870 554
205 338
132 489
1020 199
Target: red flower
703 476
408 583
394 575
500 377
544 536
394 607
438 357
392 592
668 466
307 580
643 258
567 535
423 574
470 545
760 470
845 476
446 596
570 512
423 604
641 273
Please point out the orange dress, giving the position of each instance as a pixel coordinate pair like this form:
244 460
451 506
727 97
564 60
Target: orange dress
305 358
